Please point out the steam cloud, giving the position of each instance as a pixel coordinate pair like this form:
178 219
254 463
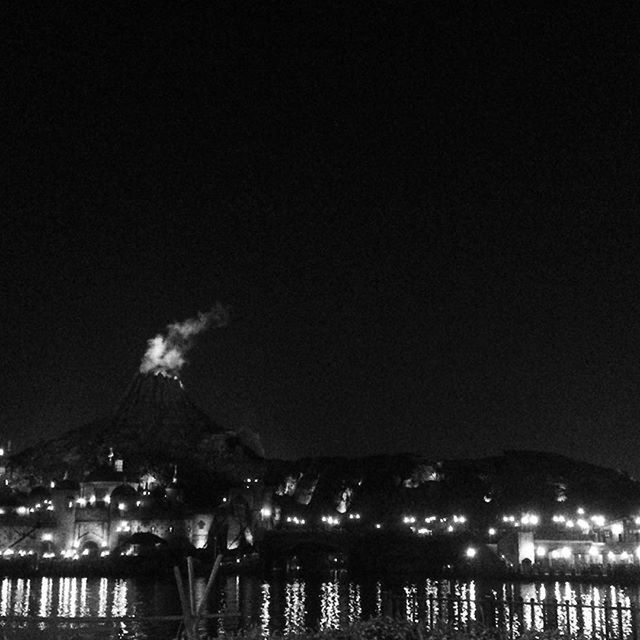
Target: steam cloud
166 354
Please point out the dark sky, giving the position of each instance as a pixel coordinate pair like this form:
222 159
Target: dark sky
422 217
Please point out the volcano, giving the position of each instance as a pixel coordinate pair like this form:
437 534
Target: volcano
156 411
156 429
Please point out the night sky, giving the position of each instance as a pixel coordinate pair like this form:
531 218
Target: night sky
423 219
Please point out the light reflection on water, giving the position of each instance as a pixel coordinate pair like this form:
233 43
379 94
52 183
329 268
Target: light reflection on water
295 607
294 603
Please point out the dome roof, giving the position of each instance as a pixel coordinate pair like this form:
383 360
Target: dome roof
123 491
39 493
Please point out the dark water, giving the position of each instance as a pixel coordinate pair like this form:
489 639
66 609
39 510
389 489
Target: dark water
284 603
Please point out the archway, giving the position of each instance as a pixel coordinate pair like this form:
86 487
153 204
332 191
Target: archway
90 549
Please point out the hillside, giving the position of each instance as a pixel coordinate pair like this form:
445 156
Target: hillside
386 486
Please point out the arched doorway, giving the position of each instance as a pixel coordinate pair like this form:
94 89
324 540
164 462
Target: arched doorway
90 549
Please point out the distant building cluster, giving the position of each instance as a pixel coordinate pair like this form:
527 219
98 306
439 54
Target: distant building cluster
106 513
160 474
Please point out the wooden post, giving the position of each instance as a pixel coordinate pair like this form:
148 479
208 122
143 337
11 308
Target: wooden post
186 611
192 590
207 589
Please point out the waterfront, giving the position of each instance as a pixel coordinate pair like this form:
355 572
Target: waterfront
292 603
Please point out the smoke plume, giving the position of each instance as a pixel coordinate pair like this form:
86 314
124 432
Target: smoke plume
166 353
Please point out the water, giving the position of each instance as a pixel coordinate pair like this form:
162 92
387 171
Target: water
288 604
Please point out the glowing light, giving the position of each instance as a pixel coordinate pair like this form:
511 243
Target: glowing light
450 528
378 525
580 511
81 502
48 554
611 555
624 555
598 521
460 519
354 516
530 519
492 531
564 552
104 553
92 499
122 506
541 551
47 537
582 523
8 552
22 511
423 531
409 520
617 528
569 524
471 552
638 551
265 512
594 551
